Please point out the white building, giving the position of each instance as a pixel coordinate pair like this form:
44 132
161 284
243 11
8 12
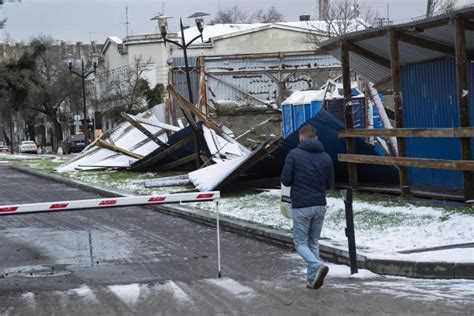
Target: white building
118 56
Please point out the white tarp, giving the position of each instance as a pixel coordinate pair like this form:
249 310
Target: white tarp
210 177
221 149
125 136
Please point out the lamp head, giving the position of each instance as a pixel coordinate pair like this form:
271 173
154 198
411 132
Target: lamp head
162 24
199 19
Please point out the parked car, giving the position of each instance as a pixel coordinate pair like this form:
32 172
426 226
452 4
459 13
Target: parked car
4 148
73 144
28 147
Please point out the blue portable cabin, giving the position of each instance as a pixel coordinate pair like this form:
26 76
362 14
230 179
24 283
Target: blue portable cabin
300 107
303 105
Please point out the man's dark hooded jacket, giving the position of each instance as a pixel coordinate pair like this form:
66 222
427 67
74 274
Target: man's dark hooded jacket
309 171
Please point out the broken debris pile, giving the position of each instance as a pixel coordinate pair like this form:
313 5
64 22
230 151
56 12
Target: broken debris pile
146 143
124 145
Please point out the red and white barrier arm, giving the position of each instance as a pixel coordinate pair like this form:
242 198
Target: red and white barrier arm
108 203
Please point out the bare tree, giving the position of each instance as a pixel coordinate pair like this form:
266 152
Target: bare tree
342 17
52 97
231 15
3 22
439 6
271 15
126 89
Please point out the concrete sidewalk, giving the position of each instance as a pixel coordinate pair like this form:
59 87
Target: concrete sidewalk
385 266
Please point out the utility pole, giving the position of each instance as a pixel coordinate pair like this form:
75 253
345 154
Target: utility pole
83 75
126 20
429 8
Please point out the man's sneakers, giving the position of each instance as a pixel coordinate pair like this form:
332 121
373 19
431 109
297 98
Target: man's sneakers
319 279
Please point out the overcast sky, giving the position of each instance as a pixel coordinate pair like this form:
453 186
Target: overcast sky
82 20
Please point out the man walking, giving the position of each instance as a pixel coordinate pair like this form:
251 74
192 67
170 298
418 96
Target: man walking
309 171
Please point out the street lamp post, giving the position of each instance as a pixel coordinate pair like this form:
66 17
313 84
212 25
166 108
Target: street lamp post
163 25
83 75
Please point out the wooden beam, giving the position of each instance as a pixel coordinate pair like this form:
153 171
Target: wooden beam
189 108
397 96
142 129
427 44
409 132
408 162
110 146
463 99
177 163
206 120
202 84
348 112
424 25
356 49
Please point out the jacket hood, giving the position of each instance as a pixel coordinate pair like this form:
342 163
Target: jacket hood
312 145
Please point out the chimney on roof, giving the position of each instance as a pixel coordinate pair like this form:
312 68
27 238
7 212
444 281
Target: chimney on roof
305 17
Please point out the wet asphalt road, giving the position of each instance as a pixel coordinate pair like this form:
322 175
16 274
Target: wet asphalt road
136 261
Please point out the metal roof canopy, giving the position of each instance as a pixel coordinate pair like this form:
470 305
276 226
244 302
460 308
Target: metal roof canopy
420 41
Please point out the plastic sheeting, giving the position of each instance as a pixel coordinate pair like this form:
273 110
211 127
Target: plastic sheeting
327 127
125 136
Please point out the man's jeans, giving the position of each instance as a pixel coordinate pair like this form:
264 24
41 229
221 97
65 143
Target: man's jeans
307 226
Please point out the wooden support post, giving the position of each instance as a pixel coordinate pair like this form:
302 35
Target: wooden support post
202 84
170 108
117 149
397 94
409 162
463 97
143 130
346 79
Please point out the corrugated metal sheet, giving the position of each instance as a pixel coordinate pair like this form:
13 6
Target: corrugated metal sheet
430 100
251 76
181 84
365 67
179 76
409 54
271 63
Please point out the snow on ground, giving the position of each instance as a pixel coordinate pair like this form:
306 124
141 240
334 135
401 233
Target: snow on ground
460 255
8 156
175 291
83 292
335 270
380 229
233 287
128 294
452 291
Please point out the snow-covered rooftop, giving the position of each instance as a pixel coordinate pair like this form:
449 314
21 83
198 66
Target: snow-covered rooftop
218 30
116 39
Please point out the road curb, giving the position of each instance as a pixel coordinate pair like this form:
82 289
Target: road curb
411 269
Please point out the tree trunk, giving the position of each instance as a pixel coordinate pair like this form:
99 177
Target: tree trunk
57 132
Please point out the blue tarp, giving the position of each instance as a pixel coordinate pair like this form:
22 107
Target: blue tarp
327 127
148 163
